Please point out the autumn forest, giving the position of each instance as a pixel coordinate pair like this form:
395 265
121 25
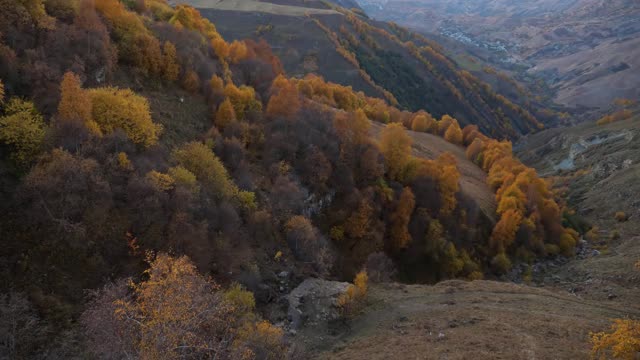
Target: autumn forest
154 175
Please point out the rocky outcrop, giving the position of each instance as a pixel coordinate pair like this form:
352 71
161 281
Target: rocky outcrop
314 302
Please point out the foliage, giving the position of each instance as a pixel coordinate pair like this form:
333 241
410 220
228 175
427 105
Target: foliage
170 66
400 219
353 299
623 342
198 159
75 104
395 145
620 216
114 108
225 115
284 101
175 313
160 181
423 122
22 129
191 81
243 99
242 300
185 178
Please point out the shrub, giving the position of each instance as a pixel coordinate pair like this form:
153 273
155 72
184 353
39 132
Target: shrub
501 263
621 216
242 300
623 342
352 301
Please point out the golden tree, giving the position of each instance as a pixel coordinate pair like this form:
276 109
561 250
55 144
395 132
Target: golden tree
504 233
114 108
208 169
395 145
75 103
191 82
243 99
623 342
285 100
359 223
225 115
423 122
170 66
352 128
175 314
453 134
400 218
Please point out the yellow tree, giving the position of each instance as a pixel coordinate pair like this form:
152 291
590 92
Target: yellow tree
225 115
176 313
285 100
448 176
423 122
400 218
115 108
1 92
217 85
504 233
623 342
22 128
170 66
191 82
395 145
444 124
243 99
454 134
237 51
205 165
359 223
75 103
352 128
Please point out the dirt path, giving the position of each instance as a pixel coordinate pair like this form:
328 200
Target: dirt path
463 320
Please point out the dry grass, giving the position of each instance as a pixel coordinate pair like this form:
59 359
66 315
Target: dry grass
256 6
470 320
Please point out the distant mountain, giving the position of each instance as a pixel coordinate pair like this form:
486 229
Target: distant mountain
381 59
586 50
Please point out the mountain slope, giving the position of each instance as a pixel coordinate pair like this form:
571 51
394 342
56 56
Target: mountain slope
382 60
586 50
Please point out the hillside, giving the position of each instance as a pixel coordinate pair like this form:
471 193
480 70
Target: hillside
473 181
586 50
458 320
382 60
170 191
